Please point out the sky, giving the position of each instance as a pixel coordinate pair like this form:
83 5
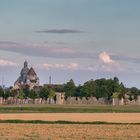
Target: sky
78 39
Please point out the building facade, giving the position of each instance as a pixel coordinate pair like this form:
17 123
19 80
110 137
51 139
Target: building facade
27 77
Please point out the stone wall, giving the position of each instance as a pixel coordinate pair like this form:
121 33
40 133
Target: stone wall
89 100
123 101
59 100
70 100
60 97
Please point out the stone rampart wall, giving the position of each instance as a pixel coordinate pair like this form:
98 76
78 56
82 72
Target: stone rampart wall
71 100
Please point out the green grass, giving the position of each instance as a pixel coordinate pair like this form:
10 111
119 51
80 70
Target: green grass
69 109
63 122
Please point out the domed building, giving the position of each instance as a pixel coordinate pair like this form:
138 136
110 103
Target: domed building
27 77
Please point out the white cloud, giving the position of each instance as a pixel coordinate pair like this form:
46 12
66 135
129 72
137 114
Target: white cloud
107 65
53 66
70 66
105 57
62 50
73 66
7 63
43 50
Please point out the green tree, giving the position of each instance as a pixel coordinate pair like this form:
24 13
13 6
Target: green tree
70 88
101 91
121 90
13 93
116 87
58 88
21 95
88 89
78 91
51 95
1 92
101 88
134 92
26 90
44 93
33 95
116 95
6 94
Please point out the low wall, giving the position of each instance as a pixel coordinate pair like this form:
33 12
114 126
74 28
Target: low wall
89 100
71 100
122 101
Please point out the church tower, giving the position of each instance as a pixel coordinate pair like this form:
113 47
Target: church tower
27 77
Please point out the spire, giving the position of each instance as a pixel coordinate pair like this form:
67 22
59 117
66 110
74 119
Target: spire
50 80
25 64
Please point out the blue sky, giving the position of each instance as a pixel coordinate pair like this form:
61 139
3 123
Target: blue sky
79 39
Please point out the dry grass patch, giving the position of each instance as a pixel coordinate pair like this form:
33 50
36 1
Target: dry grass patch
68 132
80 117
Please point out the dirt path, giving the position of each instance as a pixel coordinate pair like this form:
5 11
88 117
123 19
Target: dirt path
82 117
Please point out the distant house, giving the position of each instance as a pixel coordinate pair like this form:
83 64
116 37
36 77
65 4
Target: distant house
27 77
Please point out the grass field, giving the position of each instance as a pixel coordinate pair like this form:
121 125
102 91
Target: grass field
69 122
68 109
75 117
68 132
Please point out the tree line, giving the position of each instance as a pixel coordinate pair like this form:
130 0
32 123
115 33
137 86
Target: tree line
98 88
107 88
43 92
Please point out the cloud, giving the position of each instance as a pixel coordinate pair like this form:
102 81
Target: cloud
53 66
114 58
57 43
8 42
60 31
104 68
126 58
70 66
44 50
105 57
62 50
108 63
73 66
7 63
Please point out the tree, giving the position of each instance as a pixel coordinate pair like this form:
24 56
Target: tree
26 90
116 87
33 95
78 91
88 89
21 95
44 93
70 88
51 94
58 88
13 93
102 89
122 91
1 92
115 95
134 92
6 94
101 92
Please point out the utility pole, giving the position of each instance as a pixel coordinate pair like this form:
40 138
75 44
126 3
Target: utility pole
2 82
50 80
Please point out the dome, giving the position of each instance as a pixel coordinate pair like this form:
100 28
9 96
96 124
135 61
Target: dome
25 69
25 64
27 76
